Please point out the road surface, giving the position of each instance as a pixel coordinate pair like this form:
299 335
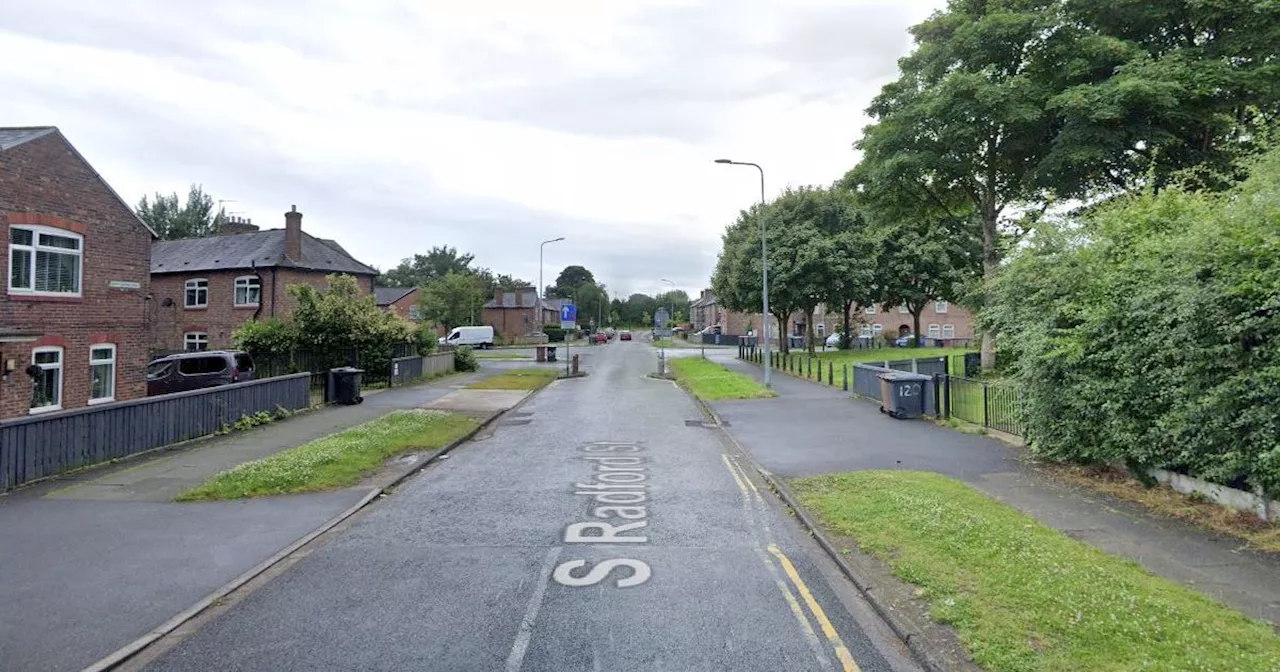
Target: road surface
601 526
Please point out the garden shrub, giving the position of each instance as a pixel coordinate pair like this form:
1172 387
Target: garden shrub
1148 333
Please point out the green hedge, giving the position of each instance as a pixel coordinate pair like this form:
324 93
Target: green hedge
1149 333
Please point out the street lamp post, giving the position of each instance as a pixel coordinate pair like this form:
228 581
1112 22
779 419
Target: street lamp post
671 300
764 269
540 294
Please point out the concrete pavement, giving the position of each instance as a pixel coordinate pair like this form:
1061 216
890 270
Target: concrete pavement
96 559
601 526
811 429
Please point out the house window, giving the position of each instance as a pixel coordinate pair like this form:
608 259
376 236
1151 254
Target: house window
866 331
948 331
822 330
877 328
870 310
195 340
248 290
197 294
102 373
46 390
939 306
903 309
934 331
415 313
44 261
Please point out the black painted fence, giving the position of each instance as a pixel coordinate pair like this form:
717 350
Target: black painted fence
48 444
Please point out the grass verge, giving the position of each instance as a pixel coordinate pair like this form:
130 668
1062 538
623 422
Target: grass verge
489 354
520 379
1023 596
709 381
335 461
1257 534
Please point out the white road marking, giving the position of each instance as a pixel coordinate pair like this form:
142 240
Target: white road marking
525 633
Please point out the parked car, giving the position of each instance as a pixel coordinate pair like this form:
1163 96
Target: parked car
197 370
905 341
624 336
601 337
476 337
833 340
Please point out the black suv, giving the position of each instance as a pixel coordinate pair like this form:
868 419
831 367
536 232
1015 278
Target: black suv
197 370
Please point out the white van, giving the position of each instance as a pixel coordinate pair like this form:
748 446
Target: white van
476 337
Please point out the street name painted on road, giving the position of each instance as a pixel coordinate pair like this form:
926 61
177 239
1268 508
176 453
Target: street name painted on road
620 489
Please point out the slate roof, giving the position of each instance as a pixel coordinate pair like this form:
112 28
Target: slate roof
12 137
263 249
386 296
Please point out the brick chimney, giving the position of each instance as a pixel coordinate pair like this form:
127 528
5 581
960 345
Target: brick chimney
293 234
232 224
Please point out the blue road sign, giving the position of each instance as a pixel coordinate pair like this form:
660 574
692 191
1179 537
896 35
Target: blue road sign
568 316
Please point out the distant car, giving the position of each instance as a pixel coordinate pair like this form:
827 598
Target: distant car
197 370
601 337
905 341
624 336
833 340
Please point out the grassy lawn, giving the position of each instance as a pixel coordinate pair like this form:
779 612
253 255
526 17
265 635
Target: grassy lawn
712 382
520 379
335 461
1023 596
840 357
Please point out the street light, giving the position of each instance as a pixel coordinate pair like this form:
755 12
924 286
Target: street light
764 269
540 295
671 300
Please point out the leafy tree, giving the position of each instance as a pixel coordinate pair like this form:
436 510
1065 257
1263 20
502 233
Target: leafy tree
736 280
570 280
1178 85
970 116
451 299
851 274
421 269
172 219
592 301
921 262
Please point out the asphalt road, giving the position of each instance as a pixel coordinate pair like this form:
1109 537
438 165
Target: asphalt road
598 527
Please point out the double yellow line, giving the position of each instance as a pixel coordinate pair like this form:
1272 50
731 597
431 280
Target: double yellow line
847 663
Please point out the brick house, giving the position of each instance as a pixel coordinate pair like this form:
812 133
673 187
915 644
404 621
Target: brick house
73 317
940 320
705 311
204 288
514 313
402 301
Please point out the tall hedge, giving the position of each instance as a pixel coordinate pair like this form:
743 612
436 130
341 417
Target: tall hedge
1148 332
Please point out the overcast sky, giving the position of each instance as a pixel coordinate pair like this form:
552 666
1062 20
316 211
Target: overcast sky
489 126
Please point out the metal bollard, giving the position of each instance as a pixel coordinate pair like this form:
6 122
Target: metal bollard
844 377
575 365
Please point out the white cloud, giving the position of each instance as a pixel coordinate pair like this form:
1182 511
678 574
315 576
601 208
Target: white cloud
398 126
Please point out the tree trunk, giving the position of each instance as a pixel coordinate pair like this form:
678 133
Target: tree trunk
990 265
783 323
915 324
808 311
846 338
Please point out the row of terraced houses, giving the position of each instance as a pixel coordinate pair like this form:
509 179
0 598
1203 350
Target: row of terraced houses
91 293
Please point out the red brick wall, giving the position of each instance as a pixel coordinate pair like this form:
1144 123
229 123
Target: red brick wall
44 182
892 321
516 322
401 307
221 318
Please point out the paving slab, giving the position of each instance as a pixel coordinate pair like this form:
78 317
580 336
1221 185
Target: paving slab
478 401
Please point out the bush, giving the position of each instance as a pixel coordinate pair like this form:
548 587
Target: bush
1147 333
465 360
426 340
554 333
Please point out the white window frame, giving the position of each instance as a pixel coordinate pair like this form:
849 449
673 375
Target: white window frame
246 282
948 331
940 307
102 362
60 366
935 331
866 331
194 284
36 247
194 337
877 328
903 309
869 310
821 328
